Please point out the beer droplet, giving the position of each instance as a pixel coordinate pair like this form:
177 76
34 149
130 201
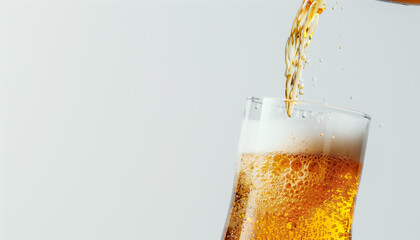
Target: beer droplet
314 80
301 92
301 85
308 61
340 47
304 115
321 134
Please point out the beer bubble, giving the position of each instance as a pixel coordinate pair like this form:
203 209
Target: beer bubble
313 167
284 164
296 165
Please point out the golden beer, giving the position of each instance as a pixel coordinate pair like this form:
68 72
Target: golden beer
297 177
293 196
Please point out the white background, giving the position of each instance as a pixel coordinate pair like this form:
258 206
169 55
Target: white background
120 119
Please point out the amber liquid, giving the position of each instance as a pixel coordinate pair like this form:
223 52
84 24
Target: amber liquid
406 1
293 196
302 30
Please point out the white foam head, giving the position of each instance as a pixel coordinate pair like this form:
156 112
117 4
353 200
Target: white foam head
311 129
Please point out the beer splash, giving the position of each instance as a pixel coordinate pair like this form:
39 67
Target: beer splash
302 30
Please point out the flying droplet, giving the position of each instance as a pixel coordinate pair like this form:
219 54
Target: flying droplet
322 134
314 79
321 60
381 125
319 119
301 85
304 115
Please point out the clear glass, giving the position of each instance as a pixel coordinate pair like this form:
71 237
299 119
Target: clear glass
297 177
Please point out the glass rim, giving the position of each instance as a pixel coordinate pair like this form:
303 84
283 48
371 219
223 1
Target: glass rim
308 103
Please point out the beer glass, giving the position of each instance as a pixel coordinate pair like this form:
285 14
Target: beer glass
297 177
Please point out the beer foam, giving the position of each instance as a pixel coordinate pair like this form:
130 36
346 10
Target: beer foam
328 134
